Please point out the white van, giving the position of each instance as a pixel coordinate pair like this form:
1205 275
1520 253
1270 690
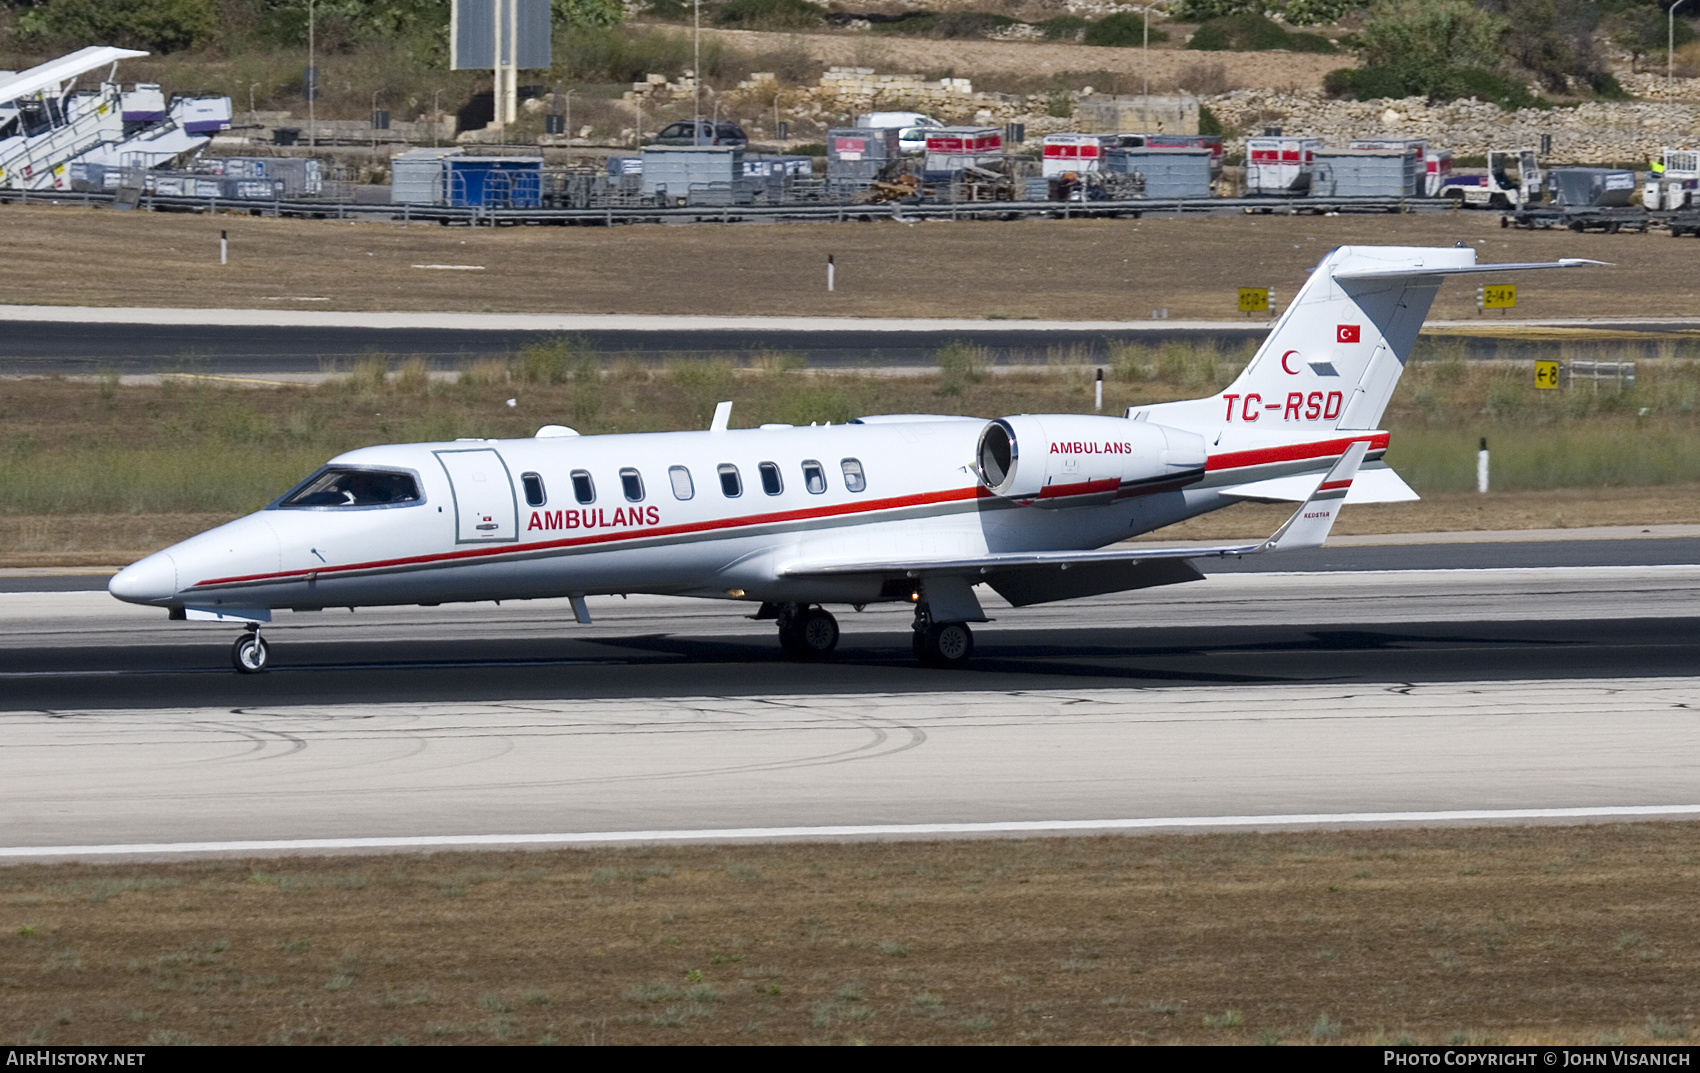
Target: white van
911 127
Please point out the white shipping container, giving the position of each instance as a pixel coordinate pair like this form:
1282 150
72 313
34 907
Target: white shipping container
1064 153
1279 165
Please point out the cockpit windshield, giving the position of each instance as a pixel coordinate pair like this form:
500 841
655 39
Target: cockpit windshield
354 488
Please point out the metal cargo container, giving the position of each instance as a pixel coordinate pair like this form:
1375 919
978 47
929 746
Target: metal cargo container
301 176
951 149
1279 165
1430 162
1212 142
1366 173
1167 172
677 168
857 156
1063 153
490 182
1590 187
860 144
416 176
768 167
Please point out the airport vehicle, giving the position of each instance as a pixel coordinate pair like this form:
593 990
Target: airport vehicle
914 508
911 128
1673 185
707 132
1513 180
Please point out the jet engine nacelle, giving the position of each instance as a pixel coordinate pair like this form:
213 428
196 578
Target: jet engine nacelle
1036 457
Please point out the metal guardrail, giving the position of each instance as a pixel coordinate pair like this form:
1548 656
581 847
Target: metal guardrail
630 209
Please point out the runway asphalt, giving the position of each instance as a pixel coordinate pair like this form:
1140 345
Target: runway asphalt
1334 697
89 341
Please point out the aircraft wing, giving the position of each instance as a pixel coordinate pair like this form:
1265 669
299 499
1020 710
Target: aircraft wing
1307 528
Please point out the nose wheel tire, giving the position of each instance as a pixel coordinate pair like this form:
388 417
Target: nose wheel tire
812 634
946 645
250 654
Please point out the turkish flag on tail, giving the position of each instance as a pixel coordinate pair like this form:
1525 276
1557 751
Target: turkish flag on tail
1346 333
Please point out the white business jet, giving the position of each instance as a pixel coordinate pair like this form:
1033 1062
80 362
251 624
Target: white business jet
912 508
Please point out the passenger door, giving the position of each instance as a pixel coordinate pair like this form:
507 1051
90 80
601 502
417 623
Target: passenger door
484 506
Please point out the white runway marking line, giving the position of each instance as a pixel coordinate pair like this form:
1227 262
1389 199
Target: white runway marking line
856 831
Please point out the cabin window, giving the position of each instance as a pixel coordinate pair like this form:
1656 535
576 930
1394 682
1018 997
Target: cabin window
814 477
354 488
731 485
631 482
584 489
854 479
533 484
770 480
681 480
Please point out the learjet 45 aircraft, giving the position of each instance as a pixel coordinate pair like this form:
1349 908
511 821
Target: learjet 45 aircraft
914 508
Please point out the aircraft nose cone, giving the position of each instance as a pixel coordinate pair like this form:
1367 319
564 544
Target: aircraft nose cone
151 581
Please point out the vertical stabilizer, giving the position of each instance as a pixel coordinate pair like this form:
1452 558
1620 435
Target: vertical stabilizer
1335 355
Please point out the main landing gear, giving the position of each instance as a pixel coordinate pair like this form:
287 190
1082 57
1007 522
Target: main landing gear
945 645
807 632
250 654
810 633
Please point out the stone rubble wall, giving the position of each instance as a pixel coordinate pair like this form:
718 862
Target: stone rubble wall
1592 133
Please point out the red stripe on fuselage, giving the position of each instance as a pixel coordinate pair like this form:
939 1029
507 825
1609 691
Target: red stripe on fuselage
1294 452
951 495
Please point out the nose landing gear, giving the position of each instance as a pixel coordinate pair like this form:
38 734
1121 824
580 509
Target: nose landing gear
250 654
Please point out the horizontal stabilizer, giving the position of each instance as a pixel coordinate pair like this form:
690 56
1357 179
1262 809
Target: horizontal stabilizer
1463 270
1374 484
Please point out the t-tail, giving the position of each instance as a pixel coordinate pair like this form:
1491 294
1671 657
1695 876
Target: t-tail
1322 379
1333 359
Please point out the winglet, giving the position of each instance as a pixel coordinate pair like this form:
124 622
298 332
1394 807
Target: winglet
722 417
1309 525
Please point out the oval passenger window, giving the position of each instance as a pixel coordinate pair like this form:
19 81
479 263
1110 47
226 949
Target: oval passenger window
533 483
631 482
814 477
731 485
680 477
770 481
854 479
584 489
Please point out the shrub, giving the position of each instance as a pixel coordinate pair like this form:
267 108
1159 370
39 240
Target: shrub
770 14
1122 30
1064 27
1251 32
964 25
156 25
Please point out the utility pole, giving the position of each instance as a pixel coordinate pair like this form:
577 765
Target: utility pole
696 72
1670 45
312 81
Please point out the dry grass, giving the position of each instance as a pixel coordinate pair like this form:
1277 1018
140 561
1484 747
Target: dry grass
98 473
1502 935
1115 270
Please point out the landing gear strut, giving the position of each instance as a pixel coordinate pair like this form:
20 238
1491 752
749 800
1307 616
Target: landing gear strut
250 654
946 645
807 632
